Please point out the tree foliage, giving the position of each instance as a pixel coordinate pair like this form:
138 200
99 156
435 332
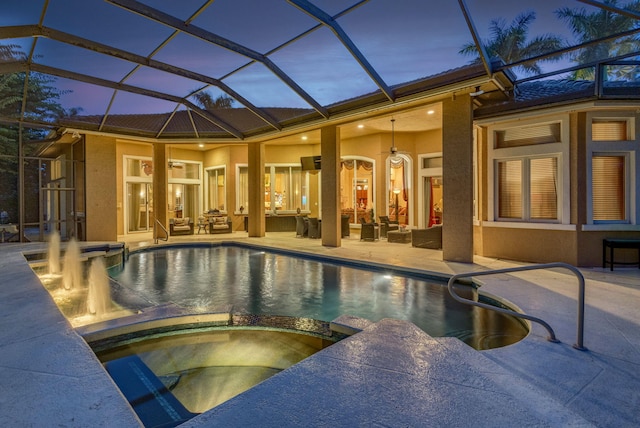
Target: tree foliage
588 26
207 102
510 42
42 103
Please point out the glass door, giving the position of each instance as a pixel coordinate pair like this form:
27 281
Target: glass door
433 207
140 207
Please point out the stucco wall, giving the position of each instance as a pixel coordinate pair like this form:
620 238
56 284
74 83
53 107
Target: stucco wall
101 189
529 245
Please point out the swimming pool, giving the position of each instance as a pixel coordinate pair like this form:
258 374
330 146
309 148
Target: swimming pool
255 281
169 378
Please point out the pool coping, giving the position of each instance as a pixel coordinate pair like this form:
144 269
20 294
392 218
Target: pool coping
33 324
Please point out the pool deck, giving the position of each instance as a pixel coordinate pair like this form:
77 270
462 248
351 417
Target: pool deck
391 374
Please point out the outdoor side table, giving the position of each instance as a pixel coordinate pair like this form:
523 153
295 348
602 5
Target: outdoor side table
399 236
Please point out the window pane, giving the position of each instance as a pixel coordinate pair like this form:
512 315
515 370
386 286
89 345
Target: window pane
356 194
267 189
183 200
220 190
347 177
184 170
528 135
510 189
364 190
139 168
298 194
243 189
216 197
609 130
282 189
134 167
544 192
398 194
432 162
608 174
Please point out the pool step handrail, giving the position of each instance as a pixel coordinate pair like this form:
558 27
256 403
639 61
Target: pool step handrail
552 337
155 233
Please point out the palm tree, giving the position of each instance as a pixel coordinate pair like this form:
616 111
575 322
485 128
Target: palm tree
602 23
207 102
42 104
510 42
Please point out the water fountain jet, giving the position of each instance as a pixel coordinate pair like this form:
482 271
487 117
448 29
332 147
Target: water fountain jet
72 269
53 255
99 296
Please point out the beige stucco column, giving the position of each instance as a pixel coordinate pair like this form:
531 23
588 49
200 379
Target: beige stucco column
457 174
160 179
330 197
101 189
255 155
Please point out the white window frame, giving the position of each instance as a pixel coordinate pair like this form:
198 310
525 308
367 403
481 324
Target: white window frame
239 203
271 166
126 179
526 189
408 172
476 178
353 185
196 181
206 185
422 173
305 185
560 150
630 150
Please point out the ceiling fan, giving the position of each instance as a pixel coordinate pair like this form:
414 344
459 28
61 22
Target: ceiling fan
393 150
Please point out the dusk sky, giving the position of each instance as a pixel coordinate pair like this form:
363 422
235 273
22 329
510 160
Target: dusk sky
403 40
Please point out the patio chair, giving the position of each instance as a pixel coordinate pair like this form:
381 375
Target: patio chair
344 225
202 224
314 228
302 226
369 231
427 238
387 225
181 226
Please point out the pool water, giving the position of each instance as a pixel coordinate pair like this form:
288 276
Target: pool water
252 281
200 369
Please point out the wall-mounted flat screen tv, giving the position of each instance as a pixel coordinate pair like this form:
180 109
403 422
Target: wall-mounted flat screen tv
310 163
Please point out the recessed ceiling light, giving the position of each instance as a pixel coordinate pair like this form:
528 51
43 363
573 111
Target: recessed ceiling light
430 112
201 145
304 138
361 126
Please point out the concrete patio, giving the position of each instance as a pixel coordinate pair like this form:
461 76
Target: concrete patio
391 374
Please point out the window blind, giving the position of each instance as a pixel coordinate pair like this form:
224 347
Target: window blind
608 187
528 135
544 188
510 189
609 130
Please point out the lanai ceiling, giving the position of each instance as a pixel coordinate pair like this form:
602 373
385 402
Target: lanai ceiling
140 68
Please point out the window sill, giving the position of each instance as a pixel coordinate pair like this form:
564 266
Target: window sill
611 227
525 225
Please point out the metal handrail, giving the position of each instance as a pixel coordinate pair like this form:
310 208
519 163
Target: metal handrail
552 337
155 235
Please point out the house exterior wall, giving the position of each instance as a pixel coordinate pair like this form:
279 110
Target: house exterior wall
576 239
529 245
